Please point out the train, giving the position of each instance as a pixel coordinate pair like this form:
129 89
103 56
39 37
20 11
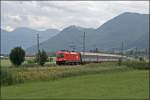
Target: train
67 57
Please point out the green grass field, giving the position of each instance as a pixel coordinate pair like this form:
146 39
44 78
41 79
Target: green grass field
5 63
92 81
133 84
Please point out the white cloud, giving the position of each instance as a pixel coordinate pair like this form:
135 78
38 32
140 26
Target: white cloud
60 14
9 28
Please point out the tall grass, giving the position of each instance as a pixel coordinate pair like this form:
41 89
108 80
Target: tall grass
8 77
13 75
24 73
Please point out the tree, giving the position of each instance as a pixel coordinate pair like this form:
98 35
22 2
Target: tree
41 57
141 59
120 61
17 56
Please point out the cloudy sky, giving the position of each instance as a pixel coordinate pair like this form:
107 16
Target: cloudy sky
43 15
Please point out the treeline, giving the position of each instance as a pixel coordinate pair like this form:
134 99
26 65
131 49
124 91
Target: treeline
17 57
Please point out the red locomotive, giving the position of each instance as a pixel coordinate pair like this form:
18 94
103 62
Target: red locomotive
66 57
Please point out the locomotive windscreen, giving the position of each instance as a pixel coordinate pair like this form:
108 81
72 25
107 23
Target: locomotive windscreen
60 55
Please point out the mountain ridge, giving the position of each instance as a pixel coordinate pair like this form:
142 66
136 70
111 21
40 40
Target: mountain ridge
128 27
24 37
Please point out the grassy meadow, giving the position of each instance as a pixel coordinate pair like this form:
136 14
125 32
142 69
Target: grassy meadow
119 85
5 63
105 80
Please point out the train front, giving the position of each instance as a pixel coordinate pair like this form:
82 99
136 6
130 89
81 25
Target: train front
60 57
66 57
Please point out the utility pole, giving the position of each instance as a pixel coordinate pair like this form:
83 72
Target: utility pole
121 52
38 46
122 48
84 42
37 43
83 45
136 54
97 54
146 52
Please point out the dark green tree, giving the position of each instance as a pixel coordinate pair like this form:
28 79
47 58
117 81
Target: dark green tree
17 56
120 61
41 57
141 59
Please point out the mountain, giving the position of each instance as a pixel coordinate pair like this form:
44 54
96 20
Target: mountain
24 37
131 28
71 35
127 27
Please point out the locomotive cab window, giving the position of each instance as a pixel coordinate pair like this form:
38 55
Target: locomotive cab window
60 55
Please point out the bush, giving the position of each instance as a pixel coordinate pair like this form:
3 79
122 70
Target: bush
41 57
17 56
30 61
141 59
51 59
137 64
8 77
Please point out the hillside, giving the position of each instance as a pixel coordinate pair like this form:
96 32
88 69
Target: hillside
132 28
127 27
24 37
